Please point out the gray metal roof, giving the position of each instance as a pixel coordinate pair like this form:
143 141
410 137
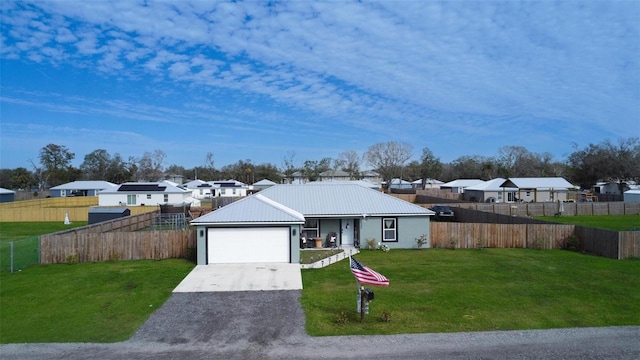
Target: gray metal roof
325 200
85 185
252 210
539 183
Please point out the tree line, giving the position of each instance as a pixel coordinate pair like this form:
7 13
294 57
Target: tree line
606 161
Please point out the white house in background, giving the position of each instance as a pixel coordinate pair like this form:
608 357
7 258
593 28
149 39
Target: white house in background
145 194
429 184
539 189
200 189
614 187
80 188
400 184
490 191
458 186
229 188
632 196
363 183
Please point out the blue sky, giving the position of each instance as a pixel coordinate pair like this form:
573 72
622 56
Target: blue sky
255 80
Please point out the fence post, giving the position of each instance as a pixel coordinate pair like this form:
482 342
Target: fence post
11 252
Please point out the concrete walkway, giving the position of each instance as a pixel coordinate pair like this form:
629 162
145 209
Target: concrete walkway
348 251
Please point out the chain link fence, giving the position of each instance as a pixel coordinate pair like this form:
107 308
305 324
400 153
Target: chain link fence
19 254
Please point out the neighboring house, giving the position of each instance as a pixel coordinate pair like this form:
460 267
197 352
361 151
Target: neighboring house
337 175
400 184
267 227
146 194
7 195
262 184
200 189
363 183
429 184
632 196
371 176
80 188
458 186
229 188
540 189
613 188
490 191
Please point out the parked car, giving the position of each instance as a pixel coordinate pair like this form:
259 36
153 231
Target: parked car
443 213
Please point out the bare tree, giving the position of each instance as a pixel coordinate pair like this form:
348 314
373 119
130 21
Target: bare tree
351 163
388 159
288 166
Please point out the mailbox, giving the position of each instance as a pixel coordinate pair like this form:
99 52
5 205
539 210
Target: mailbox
369 294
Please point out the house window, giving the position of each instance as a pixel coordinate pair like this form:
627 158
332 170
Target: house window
148 196
131 199
389 230
499 197
234 191
166 197
310 228
63 193
511 196
222 191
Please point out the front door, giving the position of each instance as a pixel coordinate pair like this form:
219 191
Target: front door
347 232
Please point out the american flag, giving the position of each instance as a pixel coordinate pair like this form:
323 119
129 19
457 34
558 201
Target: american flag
364 275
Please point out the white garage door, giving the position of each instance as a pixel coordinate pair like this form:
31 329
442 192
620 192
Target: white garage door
248 245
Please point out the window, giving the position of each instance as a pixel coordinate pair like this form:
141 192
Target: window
63 193
500 197
131 199
389 230
511 196
148 196
166 197
310 228
222 191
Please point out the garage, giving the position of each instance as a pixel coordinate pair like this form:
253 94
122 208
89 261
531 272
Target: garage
248 245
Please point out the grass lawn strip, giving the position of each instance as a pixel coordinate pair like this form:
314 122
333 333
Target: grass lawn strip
439 290
92 302
608 222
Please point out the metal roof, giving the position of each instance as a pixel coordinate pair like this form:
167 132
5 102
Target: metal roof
328 199
490 185
252 210
462 183
145 187
85 185
556 183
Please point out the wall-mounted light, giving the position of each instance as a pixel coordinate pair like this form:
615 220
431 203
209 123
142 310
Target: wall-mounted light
346 226
201 233
293 232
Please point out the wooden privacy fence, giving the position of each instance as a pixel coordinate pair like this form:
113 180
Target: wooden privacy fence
55 209
90 247
549 208
611 244
474 235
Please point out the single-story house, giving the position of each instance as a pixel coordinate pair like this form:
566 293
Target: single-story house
229 188
458 186
539 189
262 184
400 184
428 184
334 175
81 188
145 194
490 191
632 196
7 195
270 226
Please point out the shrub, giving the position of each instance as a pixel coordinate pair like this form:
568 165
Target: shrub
72 259
572 243
421 240
113 257
372 244
383 247
453 244
481 244
342 317
385 316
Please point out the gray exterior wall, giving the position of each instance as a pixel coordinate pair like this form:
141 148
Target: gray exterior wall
408 229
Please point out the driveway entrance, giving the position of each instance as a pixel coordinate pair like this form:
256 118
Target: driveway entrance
242 277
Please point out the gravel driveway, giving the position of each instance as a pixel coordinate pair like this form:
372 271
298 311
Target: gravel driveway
270 325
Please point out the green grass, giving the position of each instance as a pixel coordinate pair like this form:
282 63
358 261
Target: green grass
12 231
439 290
608 222
24 236
92 302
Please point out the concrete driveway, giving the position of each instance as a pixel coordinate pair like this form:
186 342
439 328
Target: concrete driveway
242 277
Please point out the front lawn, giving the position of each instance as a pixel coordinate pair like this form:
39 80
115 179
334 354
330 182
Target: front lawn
440 290
91 302
608 222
